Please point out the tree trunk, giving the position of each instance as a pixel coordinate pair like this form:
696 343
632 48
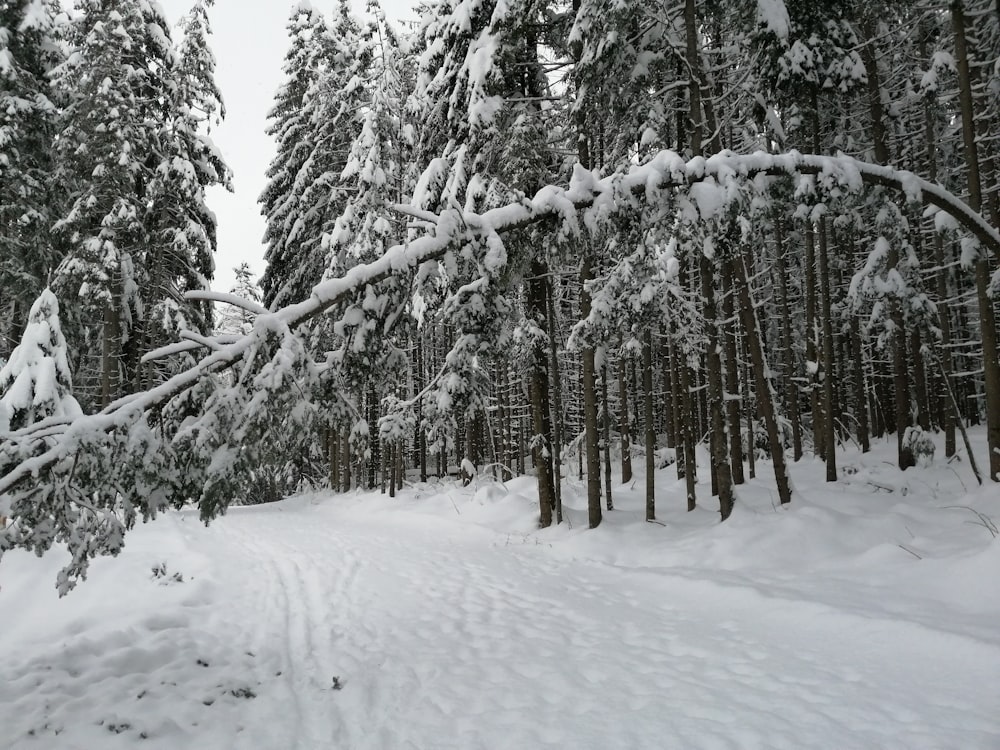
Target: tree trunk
333 451
987 320
765 393
539 380
860 385
812 351
826 370
750 409
589 386
109 353
420 439
920 380
716 393
647 419
690 436
788 354
606 436
623 421
346 462
733 395
556 419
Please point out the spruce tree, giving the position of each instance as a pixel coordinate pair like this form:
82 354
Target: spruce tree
306 59
29 198
35 383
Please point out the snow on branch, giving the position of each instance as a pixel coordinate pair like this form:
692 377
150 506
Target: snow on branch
599 198
207 295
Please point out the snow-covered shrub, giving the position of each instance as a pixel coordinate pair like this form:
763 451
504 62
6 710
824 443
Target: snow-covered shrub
36 384
920 444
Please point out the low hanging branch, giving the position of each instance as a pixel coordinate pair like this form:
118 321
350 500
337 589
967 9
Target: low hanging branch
58 440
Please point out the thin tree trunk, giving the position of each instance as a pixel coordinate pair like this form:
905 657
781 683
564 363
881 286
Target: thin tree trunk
765 393
391 449
556 419
541 439
733 395
826 370
589 387
503 425
791 388
623 421
860 384
920 380
376 445
333 448
680 419
690 436
947 416
109 354
750 408
716 393
346 460
961 425
812 353
987 320
421 435
667 402
606 425
647 418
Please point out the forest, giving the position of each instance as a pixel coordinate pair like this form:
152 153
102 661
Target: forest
515 237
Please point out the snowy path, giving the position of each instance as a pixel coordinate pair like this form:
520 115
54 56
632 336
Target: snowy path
449 635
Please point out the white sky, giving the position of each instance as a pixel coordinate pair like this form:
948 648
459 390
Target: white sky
249 40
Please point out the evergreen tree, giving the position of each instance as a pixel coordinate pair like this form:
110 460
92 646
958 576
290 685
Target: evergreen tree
332 109
181 243
307 58
35 384
28 196
138 232
235 320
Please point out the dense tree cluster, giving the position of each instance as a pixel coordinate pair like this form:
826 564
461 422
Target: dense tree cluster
780 235
103 167
756 317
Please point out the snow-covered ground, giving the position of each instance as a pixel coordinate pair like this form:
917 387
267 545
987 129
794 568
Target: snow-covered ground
864 616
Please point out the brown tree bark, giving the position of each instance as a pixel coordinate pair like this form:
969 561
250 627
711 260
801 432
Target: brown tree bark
609 503
333 452
987 320
733 394
788 354
826 367
539 385
647 419
812 348
110 354
765 392
556 419
589 387
623 421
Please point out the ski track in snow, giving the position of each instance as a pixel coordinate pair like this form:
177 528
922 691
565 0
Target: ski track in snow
449 636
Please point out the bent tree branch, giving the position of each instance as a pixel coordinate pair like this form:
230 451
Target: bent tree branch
597 199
